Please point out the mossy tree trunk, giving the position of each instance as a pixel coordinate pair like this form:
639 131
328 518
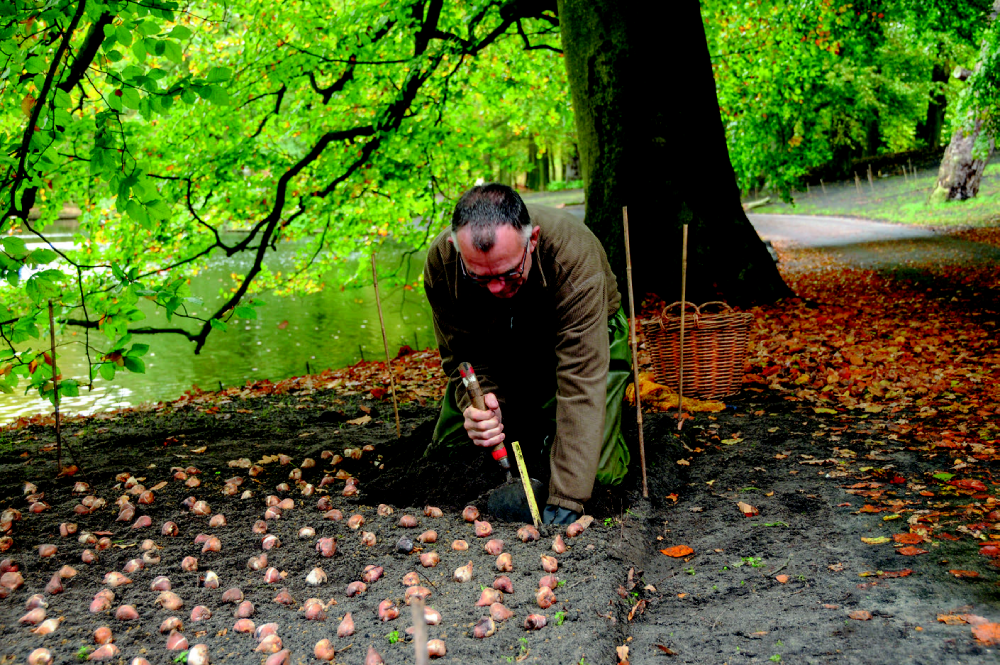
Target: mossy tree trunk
650 137
968 153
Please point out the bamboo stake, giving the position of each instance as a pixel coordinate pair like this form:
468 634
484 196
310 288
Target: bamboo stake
684 273
635 354
55 386
385 343
871 182
419 630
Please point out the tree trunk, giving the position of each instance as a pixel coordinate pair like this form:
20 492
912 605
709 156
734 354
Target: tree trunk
929 131
651 137
966 157
961 172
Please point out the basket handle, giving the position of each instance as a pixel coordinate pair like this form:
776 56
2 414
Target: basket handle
717 302
687 303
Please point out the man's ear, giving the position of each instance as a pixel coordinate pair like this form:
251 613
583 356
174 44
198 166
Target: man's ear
535 233
451 239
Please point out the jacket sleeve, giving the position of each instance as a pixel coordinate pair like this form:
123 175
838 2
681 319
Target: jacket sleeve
582 356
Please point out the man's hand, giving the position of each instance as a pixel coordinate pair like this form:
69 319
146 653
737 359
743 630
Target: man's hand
485 428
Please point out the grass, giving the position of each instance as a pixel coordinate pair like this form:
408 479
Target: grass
899 200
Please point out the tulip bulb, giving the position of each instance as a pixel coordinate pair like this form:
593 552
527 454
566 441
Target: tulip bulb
488 597
245 610
549 564
470 514
459 545
429 559
284 597
544 597
500 612
356 588
171 623
534 622
373 657
346 627
411 579
387 610
463 573
528 533
436 648
324 650
40 657
432 511
243 626
504 584
316 577
484 628
372 573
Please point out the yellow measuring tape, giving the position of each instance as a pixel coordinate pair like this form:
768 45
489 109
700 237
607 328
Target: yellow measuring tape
526 482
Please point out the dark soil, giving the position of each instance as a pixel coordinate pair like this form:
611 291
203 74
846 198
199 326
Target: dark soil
721 604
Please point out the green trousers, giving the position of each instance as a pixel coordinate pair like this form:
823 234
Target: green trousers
450 428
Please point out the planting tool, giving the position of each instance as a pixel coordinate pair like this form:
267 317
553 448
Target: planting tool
510 501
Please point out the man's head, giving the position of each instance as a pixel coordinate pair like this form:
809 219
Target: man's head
492 231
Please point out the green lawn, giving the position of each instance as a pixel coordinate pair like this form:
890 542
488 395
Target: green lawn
898 199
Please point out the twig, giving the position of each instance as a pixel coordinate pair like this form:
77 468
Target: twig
55 387
385 343
782 566
680 375
419 630
635 354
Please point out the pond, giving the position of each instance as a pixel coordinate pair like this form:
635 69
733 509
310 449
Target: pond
292 335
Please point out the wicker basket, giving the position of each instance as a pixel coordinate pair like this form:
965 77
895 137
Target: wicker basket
715 347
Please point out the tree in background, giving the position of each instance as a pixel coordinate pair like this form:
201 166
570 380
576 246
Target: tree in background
807 87
974 138
651 138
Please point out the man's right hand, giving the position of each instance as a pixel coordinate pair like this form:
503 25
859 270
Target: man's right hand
485 428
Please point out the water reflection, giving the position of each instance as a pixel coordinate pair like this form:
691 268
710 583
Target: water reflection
332 328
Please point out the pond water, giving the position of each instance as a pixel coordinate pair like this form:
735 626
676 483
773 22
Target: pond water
291 335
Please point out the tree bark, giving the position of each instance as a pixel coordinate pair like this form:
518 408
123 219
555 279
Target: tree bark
929 131
651 137
962 167
961 172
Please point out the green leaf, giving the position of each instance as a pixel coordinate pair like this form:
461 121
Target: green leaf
123 35
69 388
14 246
135 364
219 74
139 214
218 324
244 312
131 98
43 256
107 371
180 33
148 28
173 51
945 476
138 350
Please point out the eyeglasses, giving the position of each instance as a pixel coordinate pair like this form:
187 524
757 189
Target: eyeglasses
509 276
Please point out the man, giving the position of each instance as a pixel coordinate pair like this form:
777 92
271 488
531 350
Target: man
526 295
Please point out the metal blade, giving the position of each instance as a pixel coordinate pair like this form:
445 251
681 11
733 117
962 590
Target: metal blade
509 503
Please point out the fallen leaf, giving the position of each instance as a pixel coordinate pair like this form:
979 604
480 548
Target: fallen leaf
747 509
782 578
677 551
828 606
363 420
666 650
975 619
951 619
910 550
967 484
836 567
860 615
987 633
684 462
960 574
622 652
908 538
878 540
199 449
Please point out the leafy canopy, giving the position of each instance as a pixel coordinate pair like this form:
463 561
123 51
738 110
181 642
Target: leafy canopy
229 128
